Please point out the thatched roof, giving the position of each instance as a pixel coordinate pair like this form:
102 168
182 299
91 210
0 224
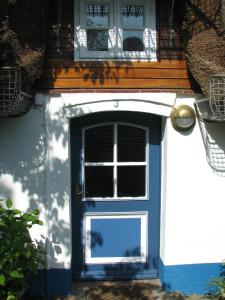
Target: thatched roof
204 33
23 29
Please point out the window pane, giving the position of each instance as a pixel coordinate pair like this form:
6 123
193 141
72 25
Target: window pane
133 40
97 15
131 144
133 16
99 144
98 182
131 181
97 40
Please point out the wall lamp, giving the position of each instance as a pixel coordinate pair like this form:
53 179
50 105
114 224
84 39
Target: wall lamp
183 117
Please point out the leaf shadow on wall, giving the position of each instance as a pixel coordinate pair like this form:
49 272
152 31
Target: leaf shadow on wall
24 156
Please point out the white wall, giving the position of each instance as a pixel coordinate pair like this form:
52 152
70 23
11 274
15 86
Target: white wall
35 172
33 168
193 198
22 164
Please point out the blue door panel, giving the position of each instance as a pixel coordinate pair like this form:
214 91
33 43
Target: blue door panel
116 237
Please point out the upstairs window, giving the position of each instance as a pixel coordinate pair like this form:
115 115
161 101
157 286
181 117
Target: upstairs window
115 29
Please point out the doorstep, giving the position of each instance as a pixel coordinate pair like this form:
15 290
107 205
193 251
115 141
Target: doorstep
124 290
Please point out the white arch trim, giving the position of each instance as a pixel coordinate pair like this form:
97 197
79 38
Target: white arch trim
57 110
78 104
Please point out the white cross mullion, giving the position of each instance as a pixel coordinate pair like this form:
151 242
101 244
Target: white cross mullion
115 160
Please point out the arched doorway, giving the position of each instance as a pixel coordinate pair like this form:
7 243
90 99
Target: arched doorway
115 188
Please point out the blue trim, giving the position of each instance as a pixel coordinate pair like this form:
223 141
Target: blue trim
49 283
120 272
190 278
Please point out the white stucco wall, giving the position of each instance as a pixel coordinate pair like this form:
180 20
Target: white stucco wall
35 172
22 164
193 201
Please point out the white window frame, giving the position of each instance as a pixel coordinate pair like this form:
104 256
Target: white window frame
147 31
143 258
115 32
115 164
84 53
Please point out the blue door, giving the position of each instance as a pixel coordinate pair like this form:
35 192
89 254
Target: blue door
115 173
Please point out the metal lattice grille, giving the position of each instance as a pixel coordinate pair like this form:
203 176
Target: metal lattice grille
12 100
217 95
9 87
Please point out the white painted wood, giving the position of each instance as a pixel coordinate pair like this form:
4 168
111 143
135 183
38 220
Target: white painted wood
86 103
115 31
143 216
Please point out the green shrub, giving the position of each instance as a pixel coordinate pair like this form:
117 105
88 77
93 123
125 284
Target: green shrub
19 255
218 284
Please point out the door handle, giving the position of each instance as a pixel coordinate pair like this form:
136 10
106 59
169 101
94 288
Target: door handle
78 189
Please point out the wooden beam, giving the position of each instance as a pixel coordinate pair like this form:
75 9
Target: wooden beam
68 63
113 73
115 83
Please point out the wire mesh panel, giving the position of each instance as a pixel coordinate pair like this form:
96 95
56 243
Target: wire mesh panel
9 83
217 95
12 101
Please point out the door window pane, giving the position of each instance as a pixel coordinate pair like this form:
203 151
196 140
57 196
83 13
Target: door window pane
131 181
131 144
99 144
98 182
115 161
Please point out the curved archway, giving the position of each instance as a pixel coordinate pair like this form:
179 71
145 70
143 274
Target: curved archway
155 103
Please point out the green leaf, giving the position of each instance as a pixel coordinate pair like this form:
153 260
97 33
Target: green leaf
16 274
2 280
28 253
16 212
9 203
11 297
35 212
19 254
